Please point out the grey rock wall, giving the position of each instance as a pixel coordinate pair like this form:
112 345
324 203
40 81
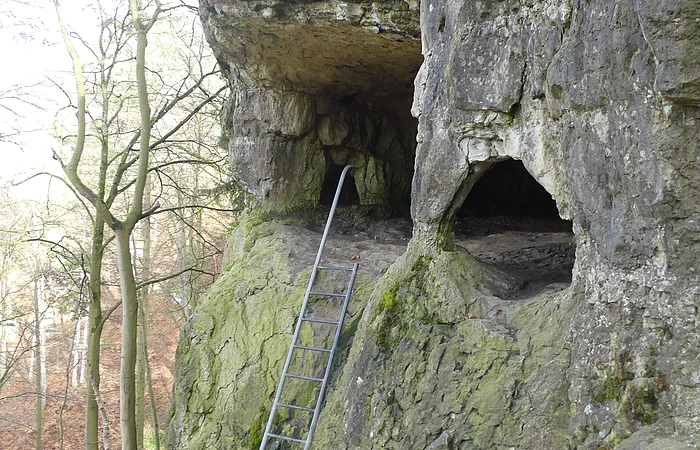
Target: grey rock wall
315 84
588 95
601 102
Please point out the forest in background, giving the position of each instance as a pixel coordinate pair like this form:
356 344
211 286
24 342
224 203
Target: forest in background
115 203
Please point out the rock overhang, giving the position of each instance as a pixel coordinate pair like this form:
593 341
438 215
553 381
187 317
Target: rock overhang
371 51
317 84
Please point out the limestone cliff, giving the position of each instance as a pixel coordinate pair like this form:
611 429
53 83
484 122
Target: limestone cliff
599 100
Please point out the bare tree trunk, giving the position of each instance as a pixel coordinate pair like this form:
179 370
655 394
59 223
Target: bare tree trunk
83 351
140 384
4 364
32 358
42 342
151 395
69 370
103 414
182 262
94 326
142 355
140 366
127 388
127 378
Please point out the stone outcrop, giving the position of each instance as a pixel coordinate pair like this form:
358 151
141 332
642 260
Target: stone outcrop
341 98
600 101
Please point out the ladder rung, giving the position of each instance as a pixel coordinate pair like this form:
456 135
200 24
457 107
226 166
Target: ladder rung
310 319
326 294
316 349
348 269
303 408
287 438
304 377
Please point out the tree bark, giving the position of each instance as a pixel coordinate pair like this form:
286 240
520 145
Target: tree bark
127 391
83 351
142 355
32 358
69 370
151 395
140 371
3 330
184 278
103 414
102 217
74 360
94 337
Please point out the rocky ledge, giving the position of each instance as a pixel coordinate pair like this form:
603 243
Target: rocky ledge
599 101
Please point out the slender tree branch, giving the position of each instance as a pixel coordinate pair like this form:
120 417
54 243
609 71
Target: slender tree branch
110 311
66 183
210 208
172 275
150 211
192 113
71 168
103 410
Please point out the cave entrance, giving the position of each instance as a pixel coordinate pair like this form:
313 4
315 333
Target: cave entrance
362 83
379 138
511 222
508 190
348 193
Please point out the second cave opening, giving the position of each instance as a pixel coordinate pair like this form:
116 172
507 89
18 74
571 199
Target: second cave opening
508 189
379 139
509 221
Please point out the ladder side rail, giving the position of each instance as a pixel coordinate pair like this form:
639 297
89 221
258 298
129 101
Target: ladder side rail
334 347
297 329
331 214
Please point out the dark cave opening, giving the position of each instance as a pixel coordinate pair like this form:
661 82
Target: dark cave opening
508 189
363 86
379 138
509 221
348 193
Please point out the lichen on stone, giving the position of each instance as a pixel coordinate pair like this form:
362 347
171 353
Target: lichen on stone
599 100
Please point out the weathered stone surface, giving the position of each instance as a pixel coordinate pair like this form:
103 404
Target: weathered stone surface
423 367
600 100
595 125
672 33
231 353
309 79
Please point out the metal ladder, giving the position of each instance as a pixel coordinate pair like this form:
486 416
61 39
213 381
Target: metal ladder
296 347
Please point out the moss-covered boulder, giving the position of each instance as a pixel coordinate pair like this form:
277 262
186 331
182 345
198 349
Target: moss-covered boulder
232 351
434 364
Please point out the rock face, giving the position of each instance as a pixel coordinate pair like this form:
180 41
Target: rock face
341 98
600 101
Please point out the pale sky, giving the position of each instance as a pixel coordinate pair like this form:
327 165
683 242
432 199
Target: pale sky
34 54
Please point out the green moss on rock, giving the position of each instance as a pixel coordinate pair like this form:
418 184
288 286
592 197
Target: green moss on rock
396 301
232 351
641 403
257 429
433 370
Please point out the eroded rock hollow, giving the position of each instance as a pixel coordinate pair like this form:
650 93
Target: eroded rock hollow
453 343
318 86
